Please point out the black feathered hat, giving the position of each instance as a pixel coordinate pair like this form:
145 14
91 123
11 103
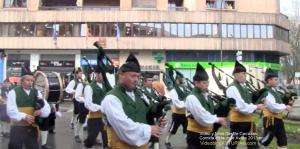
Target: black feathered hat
200 74
270 74
131 65
239 68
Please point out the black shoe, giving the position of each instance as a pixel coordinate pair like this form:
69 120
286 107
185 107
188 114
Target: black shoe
52 131
77 139
45 146
168 145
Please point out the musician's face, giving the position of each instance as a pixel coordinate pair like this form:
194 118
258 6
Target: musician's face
273 82
203 85
27 81
129 80
79 75
240 77
179 81
148 82
99 77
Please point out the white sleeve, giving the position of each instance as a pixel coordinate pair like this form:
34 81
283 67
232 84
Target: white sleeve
70 88
202 116
175 100
131 132
78 93
272 105
241 105
46 110
88 102
12 108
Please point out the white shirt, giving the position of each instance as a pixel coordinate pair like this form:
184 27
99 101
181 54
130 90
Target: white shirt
70 87
175 99
78 93
241 105
133 133
12 108
88 95
194 107
271 104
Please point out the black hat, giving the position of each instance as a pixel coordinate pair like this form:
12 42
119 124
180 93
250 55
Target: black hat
238 68
25 70
179 75
270 74
98 69
131 64
200 74
148 75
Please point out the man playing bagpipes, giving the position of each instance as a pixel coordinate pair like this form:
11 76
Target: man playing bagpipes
147 86
200 113
126 111
70 89
178 95
241 116
273 112
24 105
93 96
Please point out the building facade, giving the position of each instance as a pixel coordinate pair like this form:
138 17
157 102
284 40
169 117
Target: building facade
56 34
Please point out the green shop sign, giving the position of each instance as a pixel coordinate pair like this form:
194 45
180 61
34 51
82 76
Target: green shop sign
192 65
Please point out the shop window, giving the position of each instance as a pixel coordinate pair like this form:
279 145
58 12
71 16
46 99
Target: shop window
15 3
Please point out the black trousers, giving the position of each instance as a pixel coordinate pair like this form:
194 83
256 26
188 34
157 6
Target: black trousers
76 107
94 126
177 120
23 135
200 141
82 113
277 129
239 129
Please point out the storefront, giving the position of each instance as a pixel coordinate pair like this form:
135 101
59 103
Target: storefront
14 66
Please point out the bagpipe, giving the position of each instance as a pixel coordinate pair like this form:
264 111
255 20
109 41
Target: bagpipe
256 91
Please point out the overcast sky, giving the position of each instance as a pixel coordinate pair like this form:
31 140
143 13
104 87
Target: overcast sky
288 7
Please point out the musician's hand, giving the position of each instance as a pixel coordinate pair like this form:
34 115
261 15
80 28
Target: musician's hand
222 121
155 131
37 113
291 103
29 119
288 108
162 122
260 106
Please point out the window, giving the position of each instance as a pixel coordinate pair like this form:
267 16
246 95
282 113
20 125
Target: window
180 30
263 29
174 30
208 30
167 30
215 30
187 30
158 29
229 4
250 31
230 31
150 30
15 3
4 28
194 30
237 31
144 3
136 29
201 29
143 29
244 31
210 4
256 31
44 30
224 30
270 31
99 3
24 30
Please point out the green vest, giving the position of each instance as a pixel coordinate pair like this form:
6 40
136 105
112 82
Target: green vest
24 100
277 96
150 94
208 104
244 92
182 94
135 110
98 93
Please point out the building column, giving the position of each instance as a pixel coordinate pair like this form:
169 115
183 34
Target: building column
162 5
33 5
125 4
1 4
34 61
